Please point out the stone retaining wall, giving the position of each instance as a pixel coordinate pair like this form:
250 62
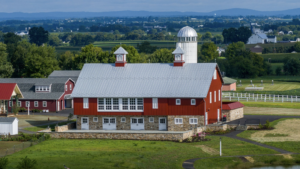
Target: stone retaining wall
124 136
48 130
66 127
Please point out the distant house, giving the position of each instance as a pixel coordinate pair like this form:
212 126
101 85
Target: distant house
258 38
281 33
220 50
272 39
256 49
229 84
290 32
22 33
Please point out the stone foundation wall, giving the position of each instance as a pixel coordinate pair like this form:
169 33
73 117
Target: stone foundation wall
124 136
48 130
65 127
185 126
171 126
233 114
120 125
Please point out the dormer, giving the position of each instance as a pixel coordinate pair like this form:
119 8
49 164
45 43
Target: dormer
120 57
178 56
42 88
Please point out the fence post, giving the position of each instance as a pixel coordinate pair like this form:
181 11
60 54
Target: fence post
230 98
265 99
282 98
269 97
247 99
238 99
273 99
255 99
296 98
291 99
278 97
260 96
287 97
253 96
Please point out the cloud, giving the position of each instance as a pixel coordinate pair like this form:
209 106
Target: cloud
148 5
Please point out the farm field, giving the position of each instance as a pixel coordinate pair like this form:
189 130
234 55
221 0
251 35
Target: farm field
270 111
90 153
270 45
278 57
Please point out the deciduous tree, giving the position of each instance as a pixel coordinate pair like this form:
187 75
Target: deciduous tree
38 35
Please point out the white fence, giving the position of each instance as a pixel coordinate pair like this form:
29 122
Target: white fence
232 96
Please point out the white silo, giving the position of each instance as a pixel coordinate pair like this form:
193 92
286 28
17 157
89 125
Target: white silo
187 40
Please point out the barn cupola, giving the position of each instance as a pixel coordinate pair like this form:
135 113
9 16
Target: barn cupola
120 57
178 56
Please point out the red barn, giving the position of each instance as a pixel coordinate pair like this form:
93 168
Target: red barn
158 96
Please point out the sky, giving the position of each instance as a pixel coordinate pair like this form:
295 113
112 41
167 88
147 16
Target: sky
31 6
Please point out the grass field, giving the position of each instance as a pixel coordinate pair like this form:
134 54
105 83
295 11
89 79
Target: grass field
92 153
52 126
33 120
287 105
278 57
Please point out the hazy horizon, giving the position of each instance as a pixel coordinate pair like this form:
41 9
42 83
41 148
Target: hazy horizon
33 6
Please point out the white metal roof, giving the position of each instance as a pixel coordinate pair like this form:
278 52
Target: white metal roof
120 50
178 50
187 32
145 80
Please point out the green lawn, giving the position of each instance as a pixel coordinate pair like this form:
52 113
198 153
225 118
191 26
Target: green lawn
278 57
273 105
52 126
92 153
270 45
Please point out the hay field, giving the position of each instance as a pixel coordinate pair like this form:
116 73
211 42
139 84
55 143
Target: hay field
271 111
288 127
278 86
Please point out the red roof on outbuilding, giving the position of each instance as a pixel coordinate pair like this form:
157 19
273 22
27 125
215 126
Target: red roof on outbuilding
6 90
231 105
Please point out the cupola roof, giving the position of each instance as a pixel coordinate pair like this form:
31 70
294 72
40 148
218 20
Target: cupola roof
120 50
187 32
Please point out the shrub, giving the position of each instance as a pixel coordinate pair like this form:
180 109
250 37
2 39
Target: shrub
70 116
22 109
260 126
267 124
27 163
3 162
189 139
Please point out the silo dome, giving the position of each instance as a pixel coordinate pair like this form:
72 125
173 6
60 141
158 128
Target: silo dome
187 32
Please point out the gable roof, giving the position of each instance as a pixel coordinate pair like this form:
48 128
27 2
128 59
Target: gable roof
120 50
7 119
145 80
228 80
231 105
27 86
262 35
6 90
178 50
65 74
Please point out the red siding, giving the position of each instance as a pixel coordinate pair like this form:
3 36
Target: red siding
67 92
212 108
165 107
51 106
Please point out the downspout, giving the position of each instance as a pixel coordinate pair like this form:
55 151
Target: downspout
204 113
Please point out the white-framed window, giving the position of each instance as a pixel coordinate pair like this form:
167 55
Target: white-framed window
85 103
210 97
193 121
178 102
177 57
123 119
44 103
193 101
95 119
120 104
70 86
10 104
155 103
36 104
19 104
215 74
151 119
119 57
178 120
215 96
27 103
66 87
219 95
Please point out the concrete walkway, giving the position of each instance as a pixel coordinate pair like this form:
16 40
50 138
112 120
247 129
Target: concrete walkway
189 164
